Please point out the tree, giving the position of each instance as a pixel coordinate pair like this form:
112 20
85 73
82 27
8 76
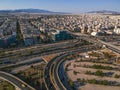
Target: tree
71 83
19 34
104 82
75 73
88 72
99 73
117 76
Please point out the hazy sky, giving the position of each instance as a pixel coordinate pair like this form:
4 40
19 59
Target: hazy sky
74 6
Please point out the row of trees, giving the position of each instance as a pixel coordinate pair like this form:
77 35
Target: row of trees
95 66
99 82
97 73
117 76
19 34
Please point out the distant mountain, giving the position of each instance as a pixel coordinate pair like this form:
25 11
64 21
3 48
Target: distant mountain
104 12
31 11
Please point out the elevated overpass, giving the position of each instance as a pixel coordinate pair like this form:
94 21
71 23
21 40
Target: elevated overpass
19 84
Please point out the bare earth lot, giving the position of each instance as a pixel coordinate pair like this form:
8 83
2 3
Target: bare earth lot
72 66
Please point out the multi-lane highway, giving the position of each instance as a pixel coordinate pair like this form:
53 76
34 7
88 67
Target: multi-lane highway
46 53
35 47
97 41
110 46
47 77
38 50
15 81
38 57
51 76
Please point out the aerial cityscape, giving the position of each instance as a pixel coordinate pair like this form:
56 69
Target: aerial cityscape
59 45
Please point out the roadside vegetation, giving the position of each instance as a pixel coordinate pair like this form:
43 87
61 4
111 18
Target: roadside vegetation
99 69
4 85
33 76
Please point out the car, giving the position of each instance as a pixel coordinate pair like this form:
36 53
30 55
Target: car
23 85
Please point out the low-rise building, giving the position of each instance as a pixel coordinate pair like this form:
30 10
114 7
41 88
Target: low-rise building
117 30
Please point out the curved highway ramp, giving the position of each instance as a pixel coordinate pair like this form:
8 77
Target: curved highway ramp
19 84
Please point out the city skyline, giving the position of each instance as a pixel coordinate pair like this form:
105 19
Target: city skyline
60 45
62 6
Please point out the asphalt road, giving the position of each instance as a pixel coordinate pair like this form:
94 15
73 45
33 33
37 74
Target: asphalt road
40 46
51 76
17 82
